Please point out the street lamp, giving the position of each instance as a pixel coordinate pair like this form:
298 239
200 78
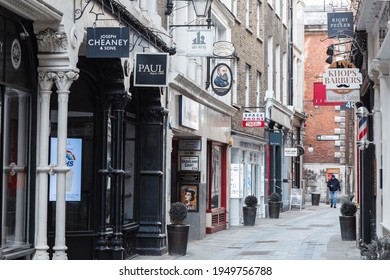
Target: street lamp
310 149
201 7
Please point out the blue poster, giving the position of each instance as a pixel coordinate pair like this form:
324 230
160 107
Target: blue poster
73 176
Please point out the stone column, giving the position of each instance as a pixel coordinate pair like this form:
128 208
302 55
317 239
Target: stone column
45 84
63 81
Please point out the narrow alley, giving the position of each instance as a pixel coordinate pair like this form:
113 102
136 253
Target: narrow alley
312 233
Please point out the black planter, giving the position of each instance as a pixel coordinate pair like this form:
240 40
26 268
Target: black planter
274 209
177 239
249 215
315 199
348 227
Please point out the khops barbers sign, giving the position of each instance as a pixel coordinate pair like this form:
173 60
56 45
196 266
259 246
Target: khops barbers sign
107 42
151 70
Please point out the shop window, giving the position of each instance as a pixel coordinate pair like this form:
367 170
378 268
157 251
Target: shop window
15 131
129 168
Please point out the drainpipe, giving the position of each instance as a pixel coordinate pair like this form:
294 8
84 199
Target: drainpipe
290 53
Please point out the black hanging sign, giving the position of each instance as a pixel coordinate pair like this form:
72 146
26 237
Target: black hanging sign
107 42
340 25
151 70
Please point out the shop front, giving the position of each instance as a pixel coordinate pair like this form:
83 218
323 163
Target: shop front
200 156
17 124
247 171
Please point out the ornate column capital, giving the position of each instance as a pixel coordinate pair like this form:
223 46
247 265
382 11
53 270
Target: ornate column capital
45 80
64 79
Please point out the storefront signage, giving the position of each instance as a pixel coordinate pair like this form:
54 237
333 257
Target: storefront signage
199 42
73 162
275 139
189 163
290 152
342 80
107 42
188 112
151 70
340 25
190 145
188 176
253 120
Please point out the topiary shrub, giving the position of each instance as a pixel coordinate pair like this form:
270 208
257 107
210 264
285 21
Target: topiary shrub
274 197
250 201
378 249
177 213
348 208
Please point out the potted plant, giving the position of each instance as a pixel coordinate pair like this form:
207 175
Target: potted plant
348 220
274 205
249 210
177 230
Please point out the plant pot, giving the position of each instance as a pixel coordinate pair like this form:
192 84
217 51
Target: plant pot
315 199
249 215
177 239
274 209
348 228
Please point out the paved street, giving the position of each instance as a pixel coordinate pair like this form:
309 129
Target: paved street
310 234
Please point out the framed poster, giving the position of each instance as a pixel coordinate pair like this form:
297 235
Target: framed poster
189 195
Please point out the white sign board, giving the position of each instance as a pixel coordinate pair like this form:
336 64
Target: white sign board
235 180
290 152
199 42
189 163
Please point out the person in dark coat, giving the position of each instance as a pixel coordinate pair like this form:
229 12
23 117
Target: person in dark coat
334 187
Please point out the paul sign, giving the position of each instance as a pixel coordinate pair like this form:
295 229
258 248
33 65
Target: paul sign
151 70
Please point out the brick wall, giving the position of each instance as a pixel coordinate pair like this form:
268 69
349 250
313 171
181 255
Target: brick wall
321 119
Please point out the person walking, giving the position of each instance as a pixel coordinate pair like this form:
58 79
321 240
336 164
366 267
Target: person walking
334 186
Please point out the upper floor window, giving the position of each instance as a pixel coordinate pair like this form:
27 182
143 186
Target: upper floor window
247 84
259 19
247 13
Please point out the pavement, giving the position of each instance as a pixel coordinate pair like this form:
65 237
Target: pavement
312 233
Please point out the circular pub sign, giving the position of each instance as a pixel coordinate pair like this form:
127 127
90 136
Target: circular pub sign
221 79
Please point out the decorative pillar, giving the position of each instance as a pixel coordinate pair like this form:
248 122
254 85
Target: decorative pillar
45 80
120 100
114 98
151 237
63 81
102 250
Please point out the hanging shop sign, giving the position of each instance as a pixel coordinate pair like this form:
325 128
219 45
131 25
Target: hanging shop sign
221 79
199 42
275 139
340 25
342 80
107 42
253 120
290 152
223 49
151 70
